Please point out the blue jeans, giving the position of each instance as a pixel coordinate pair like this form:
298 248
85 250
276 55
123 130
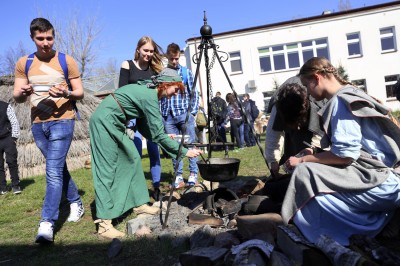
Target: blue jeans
221 132
237 132
154 156
54 138
174 125
248 134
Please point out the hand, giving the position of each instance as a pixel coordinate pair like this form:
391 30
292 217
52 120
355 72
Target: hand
193 153
26 90
292 162
58 91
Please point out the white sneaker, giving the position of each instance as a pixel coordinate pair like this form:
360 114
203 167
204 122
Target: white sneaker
192 180
76 212
179 183
45 233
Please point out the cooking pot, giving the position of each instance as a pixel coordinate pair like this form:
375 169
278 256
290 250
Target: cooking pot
219 169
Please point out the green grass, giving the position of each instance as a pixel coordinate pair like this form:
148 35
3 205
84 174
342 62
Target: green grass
77 243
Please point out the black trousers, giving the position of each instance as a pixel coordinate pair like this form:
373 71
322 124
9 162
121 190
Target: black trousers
9 148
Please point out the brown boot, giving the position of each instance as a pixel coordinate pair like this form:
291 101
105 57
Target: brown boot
106 229
146 209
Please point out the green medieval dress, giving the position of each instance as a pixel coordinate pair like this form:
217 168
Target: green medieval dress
118 176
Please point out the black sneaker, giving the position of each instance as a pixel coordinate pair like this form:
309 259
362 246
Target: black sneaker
3 191
16 190
156 194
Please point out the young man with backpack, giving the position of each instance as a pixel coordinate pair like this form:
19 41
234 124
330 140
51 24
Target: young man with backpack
174 110
252 113
43 79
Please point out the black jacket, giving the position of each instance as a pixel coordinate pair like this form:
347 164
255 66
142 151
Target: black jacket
5 125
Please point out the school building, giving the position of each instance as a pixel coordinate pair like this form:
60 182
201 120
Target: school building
258 59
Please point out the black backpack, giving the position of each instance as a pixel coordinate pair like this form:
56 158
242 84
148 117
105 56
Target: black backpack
218 109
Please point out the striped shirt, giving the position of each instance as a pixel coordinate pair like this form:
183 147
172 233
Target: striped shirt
178 105
13 121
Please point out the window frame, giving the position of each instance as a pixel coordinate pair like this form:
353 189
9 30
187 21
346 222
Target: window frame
361 84
352 42
267 55
389 85
233 60
385 36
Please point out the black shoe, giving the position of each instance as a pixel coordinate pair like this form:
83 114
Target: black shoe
156 194
16 190
3 191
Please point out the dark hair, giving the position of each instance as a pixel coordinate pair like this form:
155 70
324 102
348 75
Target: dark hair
41 25
247 95
173 48
293 105
230 98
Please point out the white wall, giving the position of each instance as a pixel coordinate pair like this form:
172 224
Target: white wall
372 65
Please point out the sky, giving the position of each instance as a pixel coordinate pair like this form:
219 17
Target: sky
124 22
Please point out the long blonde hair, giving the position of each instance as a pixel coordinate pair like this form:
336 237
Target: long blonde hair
322 66
156 61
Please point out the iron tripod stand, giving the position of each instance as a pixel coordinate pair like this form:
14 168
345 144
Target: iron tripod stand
207 42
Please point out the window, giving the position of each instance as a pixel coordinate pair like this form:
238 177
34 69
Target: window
388 41
267 98
292 55
307 50
390 81
267 94
354 44
361 84
236 62
321 46
265 60
278 57
266 103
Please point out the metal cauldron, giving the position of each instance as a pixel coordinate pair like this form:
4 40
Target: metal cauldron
219 169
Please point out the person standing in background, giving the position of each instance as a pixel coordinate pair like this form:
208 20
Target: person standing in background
9 133
145 64
174 110
235 117
53 119
219 112
252 113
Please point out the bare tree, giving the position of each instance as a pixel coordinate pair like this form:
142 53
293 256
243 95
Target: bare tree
344 5
74 37
109 68
10 58
79 40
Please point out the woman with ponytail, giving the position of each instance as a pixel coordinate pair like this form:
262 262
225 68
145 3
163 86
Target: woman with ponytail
350 187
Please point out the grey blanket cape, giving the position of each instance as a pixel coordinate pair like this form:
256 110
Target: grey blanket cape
310 179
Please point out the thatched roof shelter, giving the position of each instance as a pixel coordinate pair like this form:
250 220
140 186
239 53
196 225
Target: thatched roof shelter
30 159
